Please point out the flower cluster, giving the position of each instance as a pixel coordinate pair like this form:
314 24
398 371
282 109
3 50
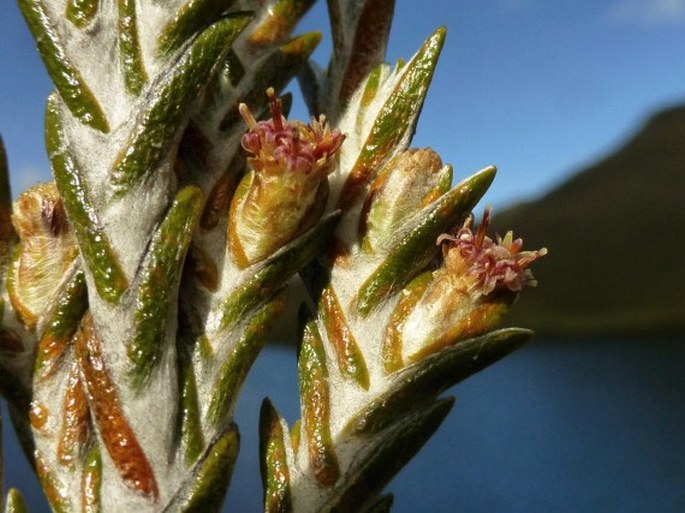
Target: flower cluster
285 190
46 249
489 265
279 145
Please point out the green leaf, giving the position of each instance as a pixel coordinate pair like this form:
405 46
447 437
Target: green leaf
63 72
350 359
130 54
56 492
192 17
276 270
396 119
103 263
159 280
282 17
14 503
274 461
81 12
417 247
192 438
204 492
391 451
370 89
419 382
239 361
169 101
63 324
92 481
316 408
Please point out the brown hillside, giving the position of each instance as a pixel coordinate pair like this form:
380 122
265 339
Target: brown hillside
616 236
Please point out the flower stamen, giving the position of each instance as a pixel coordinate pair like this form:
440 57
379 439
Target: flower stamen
487 265
280 146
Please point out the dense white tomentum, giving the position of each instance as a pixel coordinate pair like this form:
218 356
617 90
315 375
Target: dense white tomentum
141 284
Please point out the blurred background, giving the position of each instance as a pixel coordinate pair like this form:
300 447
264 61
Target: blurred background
581 105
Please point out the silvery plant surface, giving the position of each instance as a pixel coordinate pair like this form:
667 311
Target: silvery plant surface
140 284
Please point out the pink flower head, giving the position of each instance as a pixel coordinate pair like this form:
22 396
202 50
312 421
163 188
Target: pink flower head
281 146
489 265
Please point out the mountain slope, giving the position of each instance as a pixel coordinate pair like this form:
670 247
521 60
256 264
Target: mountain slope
616 236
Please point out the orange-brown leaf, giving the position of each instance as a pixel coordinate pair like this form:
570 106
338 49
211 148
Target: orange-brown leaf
75 413
117 435
350 358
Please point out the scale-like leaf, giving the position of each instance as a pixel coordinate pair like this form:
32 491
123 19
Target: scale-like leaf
396 119
159 281
274 461
81 12
14 503
91 482
275 271
316 408
414 251
284 14
62 70
62 326
103 263
168 102
130 53
116 433
433 375
192 17
369 475
205 490
234 369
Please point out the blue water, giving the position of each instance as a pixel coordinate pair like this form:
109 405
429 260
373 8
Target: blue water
593 426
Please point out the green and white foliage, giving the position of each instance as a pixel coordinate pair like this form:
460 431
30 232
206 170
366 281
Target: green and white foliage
391 328
144 142
140 285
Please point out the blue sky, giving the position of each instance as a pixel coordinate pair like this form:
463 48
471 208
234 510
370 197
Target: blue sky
537 88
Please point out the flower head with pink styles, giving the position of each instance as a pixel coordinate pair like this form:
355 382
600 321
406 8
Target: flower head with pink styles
280 146
488 265
284 193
